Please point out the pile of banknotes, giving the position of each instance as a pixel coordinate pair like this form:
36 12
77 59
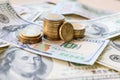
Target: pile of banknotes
94 57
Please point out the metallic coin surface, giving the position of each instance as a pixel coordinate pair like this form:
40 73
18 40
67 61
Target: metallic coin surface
54 16
30 35
79 30
52 23
66 32
31 31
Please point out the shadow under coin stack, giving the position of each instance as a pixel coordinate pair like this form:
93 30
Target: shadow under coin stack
30 35
52 23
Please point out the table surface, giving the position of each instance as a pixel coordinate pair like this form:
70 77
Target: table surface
111 5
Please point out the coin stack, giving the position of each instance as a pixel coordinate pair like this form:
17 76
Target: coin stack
30 35
79 30
52 23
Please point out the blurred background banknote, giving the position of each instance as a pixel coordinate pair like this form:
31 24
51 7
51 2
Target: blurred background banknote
36 12
19 64
79 9
104 27
111 56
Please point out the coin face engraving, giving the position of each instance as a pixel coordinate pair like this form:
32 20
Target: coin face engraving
115 58
66 32
4 19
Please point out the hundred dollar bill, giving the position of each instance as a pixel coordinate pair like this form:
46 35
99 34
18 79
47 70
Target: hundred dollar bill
9 19
79 9
18 64
103 27
40 10
111 56
74 51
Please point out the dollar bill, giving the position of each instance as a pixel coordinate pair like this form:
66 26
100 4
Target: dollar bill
40 10
74 51
111 56
7 20
18 64
79 9
103 27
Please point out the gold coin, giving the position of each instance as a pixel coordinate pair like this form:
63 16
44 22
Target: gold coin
52 23
31 34
79 30
29 40
54 17
51 39
77 26
31 31
66 32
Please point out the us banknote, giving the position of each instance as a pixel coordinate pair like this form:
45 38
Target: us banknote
79 9
18 64
40 10
111 56
11 24
103 27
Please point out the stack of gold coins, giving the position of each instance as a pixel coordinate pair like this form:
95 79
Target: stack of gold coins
52 23
79 30
66 31
30 35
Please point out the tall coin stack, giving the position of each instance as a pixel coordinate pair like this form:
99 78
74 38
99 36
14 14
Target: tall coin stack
79 30
52 23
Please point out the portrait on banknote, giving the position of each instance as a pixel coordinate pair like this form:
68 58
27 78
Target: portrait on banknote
17 63
96 29
4 19
7 32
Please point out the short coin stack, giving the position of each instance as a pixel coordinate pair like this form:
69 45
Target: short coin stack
30 35
52 23
79 30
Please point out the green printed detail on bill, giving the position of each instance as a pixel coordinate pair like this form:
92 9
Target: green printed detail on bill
70 45
72 56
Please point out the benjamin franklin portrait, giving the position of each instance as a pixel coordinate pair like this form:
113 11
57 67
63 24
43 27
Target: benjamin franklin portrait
18 64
